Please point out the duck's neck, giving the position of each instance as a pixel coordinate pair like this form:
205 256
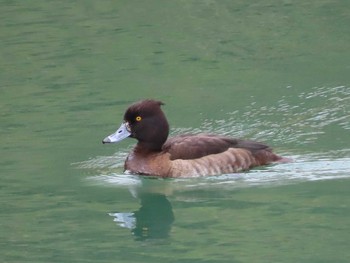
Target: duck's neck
147 148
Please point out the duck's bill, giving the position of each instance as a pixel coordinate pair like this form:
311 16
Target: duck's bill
120 134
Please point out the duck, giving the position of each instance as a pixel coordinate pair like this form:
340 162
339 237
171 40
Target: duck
187 155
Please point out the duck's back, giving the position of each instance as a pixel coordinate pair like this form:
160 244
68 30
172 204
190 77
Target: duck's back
196 146
203 154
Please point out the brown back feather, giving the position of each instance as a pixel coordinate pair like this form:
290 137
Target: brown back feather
195 146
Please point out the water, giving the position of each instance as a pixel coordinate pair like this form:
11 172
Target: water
275 71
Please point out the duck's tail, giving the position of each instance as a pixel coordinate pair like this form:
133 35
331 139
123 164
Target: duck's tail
266 156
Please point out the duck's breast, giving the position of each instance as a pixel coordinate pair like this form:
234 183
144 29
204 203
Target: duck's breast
157 164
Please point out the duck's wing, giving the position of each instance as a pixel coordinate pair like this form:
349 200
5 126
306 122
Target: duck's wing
196 146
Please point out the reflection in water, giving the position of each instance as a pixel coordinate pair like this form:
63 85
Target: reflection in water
319 119
153 220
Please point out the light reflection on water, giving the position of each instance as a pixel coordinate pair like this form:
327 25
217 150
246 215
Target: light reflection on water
299 122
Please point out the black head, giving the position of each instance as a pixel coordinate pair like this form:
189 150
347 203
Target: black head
148 124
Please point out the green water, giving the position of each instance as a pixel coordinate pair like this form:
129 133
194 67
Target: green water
275 71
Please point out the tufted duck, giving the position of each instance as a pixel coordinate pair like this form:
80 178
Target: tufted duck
184 155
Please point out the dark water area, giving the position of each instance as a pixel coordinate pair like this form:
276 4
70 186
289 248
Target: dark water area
272 71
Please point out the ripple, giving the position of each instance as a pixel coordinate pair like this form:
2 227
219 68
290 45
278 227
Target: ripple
293 121
303 169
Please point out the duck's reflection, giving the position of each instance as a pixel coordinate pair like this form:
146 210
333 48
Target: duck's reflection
152 221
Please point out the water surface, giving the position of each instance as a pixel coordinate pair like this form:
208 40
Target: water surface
274 71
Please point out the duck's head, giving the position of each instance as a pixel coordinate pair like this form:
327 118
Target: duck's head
144 121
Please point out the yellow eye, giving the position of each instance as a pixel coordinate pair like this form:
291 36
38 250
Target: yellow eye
138 118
